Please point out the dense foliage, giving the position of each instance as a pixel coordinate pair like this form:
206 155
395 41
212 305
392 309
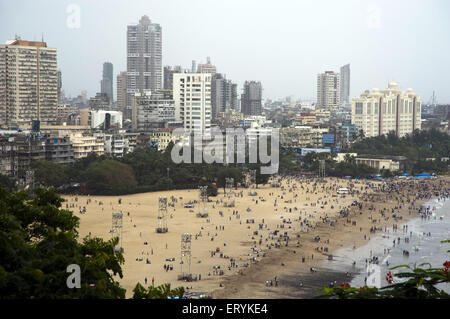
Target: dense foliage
143 170
160 292
38 241
416 146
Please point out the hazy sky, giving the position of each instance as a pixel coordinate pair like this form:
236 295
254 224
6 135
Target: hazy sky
283 44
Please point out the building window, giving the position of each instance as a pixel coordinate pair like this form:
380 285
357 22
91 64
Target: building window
358 108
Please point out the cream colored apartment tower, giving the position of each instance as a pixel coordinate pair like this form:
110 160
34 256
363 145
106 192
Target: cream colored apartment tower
328 90
380 111
28 83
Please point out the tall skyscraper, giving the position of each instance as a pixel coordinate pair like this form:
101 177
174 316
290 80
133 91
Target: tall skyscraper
345 84
223 94
28 83
192 96
122 93
251 98
382 111
168 76
328 90
107 80
144 58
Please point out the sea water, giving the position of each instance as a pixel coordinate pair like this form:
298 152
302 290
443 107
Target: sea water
422 248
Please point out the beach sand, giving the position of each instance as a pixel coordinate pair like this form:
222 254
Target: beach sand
226 230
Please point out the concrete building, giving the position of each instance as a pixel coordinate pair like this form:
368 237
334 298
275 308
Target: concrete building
100 101
295 137
192 96
105 119
251 99
255 121
114 144
29 148
144 58
163 137
107 81
230 118
168 76
382 162
328 90
122 94
28 83
84 144
381 111
65 111
59 150
152 111
64 130
207 67
60 90
131 141
345 85
223 94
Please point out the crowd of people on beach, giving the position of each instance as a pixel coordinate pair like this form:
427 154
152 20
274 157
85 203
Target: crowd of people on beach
385 204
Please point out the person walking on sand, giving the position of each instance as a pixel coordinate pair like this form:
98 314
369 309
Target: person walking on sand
153 281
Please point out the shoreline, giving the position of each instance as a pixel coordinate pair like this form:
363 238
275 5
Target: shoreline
301 209
326 273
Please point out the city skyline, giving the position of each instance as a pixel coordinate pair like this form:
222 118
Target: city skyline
302 44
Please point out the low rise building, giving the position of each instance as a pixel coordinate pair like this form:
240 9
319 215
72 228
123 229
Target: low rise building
152 111
84 144
59 150
163 137
382 162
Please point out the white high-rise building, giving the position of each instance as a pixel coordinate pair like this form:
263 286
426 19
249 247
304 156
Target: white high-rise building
192 96
28 83
382 111
328 90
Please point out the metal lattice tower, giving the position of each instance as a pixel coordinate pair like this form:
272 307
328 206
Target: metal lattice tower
116 227
229 183
186 240
321 168
252 182
204 200
162 216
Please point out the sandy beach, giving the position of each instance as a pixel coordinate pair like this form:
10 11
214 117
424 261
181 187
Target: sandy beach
237 251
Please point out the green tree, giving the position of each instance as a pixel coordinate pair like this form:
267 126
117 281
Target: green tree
50 174
160 292
38 241
110 177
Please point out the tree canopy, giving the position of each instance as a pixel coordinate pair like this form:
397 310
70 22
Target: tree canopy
38 241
